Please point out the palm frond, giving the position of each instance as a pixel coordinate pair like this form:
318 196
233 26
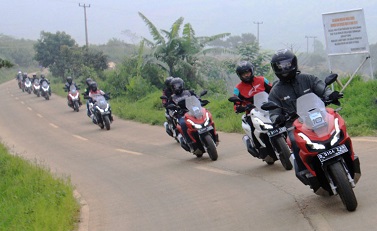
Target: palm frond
153 30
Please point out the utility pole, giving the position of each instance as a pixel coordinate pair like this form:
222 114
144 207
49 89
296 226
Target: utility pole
307 42
86 26
258 30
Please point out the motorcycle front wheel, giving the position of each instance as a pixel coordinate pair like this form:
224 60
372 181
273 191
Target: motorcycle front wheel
284 153
76 106
343 187
107 122
211 147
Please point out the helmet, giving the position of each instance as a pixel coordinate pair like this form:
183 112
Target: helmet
42 76
284 65
168 81
88 81
177 85
69 79
244 67
93 86
34 75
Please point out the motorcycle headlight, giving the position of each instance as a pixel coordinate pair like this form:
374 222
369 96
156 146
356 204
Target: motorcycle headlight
336 136
197 126
310 143
263 125
207 120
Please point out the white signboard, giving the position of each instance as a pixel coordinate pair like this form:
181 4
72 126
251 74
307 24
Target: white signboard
345 32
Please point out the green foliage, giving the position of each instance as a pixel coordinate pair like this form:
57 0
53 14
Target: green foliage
5 63
18 51
32 198
138 88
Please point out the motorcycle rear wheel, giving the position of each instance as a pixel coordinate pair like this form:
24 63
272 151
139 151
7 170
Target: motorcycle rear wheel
284 153
343 187
211 147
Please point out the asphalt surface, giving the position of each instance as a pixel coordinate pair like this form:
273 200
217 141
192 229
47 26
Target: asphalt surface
136 177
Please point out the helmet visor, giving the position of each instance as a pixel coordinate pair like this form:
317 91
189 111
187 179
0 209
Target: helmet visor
283 66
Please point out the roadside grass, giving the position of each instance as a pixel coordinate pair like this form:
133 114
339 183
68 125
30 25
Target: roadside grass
32 198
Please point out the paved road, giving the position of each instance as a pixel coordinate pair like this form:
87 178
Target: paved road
135 177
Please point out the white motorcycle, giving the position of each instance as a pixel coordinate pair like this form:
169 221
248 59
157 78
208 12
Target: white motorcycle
45 90
266 142
28 85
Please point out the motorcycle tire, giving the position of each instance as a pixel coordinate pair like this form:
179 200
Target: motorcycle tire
107 122
284 153
38 94
76 106
211 147
343 187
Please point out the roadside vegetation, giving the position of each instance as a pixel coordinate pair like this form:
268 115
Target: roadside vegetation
33 199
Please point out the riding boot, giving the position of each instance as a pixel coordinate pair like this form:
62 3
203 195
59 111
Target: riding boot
250 147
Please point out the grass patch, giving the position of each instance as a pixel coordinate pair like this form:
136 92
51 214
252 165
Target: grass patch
31 198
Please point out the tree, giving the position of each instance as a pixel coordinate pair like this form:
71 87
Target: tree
5 63
178 54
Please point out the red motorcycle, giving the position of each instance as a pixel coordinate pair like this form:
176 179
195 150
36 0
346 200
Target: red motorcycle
200 128
73 98
325 148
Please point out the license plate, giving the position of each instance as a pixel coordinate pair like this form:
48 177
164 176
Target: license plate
276 131
337 151
205 129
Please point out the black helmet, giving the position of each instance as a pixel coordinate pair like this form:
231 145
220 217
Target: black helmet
168 81
177 85
244 67
93 86
42 76
69 79
88 81
284 64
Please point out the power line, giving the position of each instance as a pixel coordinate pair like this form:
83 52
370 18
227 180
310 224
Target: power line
86 26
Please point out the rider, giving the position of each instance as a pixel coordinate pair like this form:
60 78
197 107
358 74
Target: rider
67 87
167 91
291 85
34 78
88 81
43 79
94 90
246 89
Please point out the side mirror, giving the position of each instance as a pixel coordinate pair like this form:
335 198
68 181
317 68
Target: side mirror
234 99
331 79
269 106
204 92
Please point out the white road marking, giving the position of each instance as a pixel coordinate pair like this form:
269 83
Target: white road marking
29 108
53 125
215 170
80 137
39 115
129 152
22 102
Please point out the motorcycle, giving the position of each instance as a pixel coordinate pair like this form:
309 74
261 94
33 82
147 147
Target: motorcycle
19 81
200 127
27 85
45 90
266 142
36 87
73 98
325 148
101 110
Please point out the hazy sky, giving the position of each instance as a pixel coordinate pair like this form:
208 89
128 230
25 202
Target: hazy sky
282 22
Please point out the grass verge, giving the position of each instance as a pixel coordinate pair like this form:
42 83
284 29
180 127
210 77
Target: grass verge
31 198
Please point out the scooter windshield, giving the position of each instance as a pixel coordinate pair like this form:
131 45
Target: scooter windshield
194 106
259 99
100 101
312 111
72 89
